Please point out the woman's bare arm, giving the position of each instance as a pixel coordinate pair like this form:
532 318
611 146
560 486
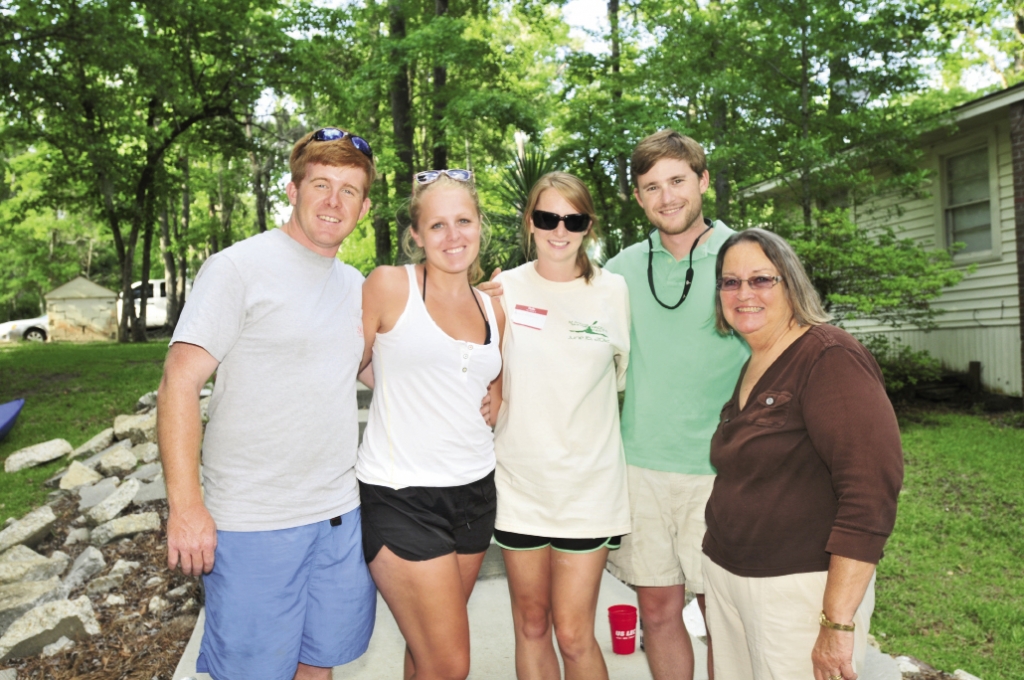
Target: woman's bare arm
847 582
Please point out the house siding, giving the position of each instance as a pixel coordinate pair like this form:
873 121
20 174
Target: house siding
996 347
981 319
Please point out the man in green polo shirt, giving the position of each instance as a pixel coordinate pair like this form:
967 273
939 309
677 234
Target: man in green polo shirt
681 372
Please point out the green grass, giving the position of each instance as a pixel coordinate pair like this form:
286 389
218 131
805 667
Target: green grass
71 392
950 588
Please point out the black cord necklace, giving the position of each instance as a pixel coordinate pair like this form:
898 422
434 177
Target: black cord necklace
689 270
487 324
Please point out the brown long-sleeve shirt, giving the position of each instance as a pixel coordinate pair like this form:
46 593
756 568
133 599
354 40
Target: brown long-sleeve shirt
812 466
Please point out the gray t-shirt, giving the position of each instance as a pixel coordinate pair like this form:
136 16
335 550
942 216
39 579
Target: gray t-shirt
286 326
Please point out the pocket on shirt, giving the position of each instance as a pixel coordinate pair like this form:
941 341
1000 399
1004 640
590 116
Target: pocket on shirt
772 409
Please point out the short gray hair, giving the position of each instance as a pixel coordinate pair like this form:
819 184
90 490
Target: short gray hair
800 292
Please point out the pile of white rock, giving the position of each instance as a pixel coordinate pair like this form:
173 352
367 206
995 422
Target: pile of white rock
110 477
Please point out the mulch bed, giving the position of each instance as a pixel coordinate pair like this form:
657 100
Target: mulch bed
134 643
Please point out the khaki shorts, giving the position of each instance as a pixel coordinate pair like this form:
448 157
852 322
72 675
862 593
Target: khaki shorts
667 513
765 628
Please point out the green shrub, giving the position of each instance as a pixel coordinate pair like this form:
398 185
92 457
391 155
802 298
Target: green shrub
902 367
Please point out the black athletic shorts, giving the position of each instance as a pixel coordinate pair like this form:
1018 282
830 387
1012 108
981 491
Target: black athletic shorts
423 522
513 541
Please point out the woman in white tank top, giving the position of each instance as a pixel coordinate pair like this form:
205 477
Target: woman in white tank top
426 464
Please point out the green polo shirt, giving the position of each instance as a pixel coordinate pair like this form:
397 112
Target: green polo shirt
681 370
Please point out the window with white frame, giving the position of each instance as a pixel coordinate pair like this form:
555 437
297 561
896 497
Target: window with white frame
968 206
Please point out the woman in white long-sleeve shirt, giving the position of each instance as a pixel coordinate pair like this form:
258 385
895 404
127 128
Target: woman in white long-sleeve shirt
561 472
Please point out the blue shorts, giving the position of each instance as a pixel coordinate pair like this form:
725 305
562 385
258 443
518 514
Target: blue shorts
277 598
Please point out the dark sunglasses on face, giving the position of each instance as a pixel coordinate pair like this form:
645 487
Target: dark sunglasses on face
331 134
731 285
431 176
548 221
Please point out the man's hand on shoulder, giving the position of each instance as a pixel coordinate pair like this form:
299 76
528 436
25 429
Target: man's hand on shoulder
491 287
191 540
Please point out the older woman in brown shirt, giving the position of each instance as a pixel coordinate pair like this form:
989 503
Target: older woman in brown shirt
809 469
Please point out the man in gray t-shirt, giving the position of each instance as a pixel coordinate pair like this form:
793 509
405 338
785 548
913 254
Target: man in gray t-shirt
275 529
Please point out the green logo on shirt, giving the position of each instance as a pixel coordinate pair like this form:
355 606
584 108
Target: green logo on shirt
587 331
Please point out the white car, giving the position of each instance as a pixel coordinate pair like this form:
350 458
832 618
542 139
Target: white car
156 304
33 330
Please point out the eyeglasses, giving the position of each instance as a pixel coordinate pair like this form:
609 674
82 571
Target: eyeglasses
431 176
548 221
332 134
731 285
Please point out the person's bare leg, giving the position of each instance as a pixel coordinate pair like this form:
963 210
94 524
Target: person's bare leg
668 647
529 586
704 613
575 584
304 672
469 569
428 601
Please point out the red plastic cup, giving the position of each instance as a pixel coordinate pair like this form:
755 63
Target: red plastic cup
622 618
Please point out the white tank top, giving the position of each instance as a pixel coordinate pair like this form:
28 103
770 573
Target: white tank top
425 427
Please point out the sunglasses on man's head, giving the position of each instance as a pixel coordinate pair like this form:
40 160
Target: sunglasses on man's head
331 134
431 176
548 221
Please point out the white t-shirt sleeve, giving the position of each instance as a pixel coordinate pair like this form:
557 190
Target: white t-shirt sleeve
214 313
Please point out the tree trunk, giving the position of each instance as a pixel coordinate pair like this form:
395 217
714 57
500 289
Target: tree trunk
226 198
124 258
129 321
181 231
400 102
258 190
719 126
170 270
139 329
806 199
440 156
622 180
214 236
382 226
621 165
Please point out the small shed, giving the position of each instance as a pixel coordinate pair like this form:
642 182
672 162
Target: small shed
81 311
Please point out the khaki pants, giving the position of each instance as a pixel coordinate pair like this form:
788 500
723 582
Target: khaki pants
667 513
765 628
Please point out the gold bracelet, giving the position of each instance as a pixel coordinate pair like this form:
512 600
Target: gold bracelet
835 626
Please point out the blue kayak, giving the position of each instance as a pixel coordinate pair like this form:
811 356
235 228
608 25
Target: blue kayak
8 414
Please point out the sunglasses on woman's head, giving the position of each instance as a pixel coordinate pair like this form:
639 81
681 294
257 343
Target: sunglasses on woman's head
548 221
331 134
431 176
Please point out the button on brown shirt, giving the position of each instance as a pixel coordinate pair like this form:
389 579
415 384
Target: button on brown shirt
812 465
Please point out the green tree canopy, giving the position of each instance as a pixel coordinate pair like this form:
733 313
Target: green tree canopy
112 85
171 122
